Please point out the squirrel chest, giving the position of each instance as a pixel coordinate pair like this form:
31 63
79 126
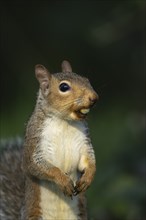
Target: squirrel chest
61 143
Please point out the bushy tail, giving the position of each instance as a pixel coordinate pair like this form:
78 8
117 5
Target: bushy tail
11 179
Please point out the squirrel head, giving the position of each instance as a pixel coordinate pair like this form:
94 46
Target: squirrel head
66 94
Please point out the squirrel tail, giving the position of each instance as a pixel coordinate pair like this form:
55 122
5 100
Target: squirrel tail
11 178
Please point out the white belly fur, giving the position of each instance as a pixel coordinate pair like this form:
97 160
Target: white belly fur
56 206
60 144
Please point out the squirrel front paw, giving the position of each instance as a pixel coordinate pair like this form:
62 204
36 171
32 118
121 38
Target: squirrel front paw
83 183
67 186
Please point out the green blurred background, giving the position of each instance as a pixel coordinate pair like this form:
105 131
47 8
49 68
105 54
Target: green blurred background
105 41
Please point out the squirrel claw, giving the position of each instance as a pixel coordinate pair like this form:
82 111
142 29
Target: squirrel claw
76 192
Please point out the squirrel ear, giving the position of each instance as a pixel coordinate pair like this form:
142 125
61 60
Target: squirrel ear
66 67
43 76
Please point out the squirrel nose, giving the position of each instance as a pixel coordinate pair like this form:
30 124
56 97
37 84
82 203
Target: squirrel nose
93 99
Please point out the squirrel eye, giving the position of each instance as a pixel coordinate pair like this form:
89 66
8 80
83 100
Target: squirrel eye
64 87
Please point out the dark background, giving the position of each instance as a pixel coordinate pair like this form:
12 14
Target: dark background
105 41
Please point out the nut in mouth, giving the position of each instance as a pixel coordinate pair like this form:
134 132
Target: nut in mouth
82 113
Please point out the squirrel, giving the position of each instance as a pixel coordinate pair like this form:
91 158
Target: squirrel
58 160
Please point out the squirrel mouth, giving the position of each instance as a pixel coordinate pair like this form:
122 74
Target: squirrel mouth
82 113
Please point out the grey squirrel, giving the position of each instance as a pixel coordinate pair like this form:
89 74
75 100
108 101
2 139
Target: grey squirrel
58 158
